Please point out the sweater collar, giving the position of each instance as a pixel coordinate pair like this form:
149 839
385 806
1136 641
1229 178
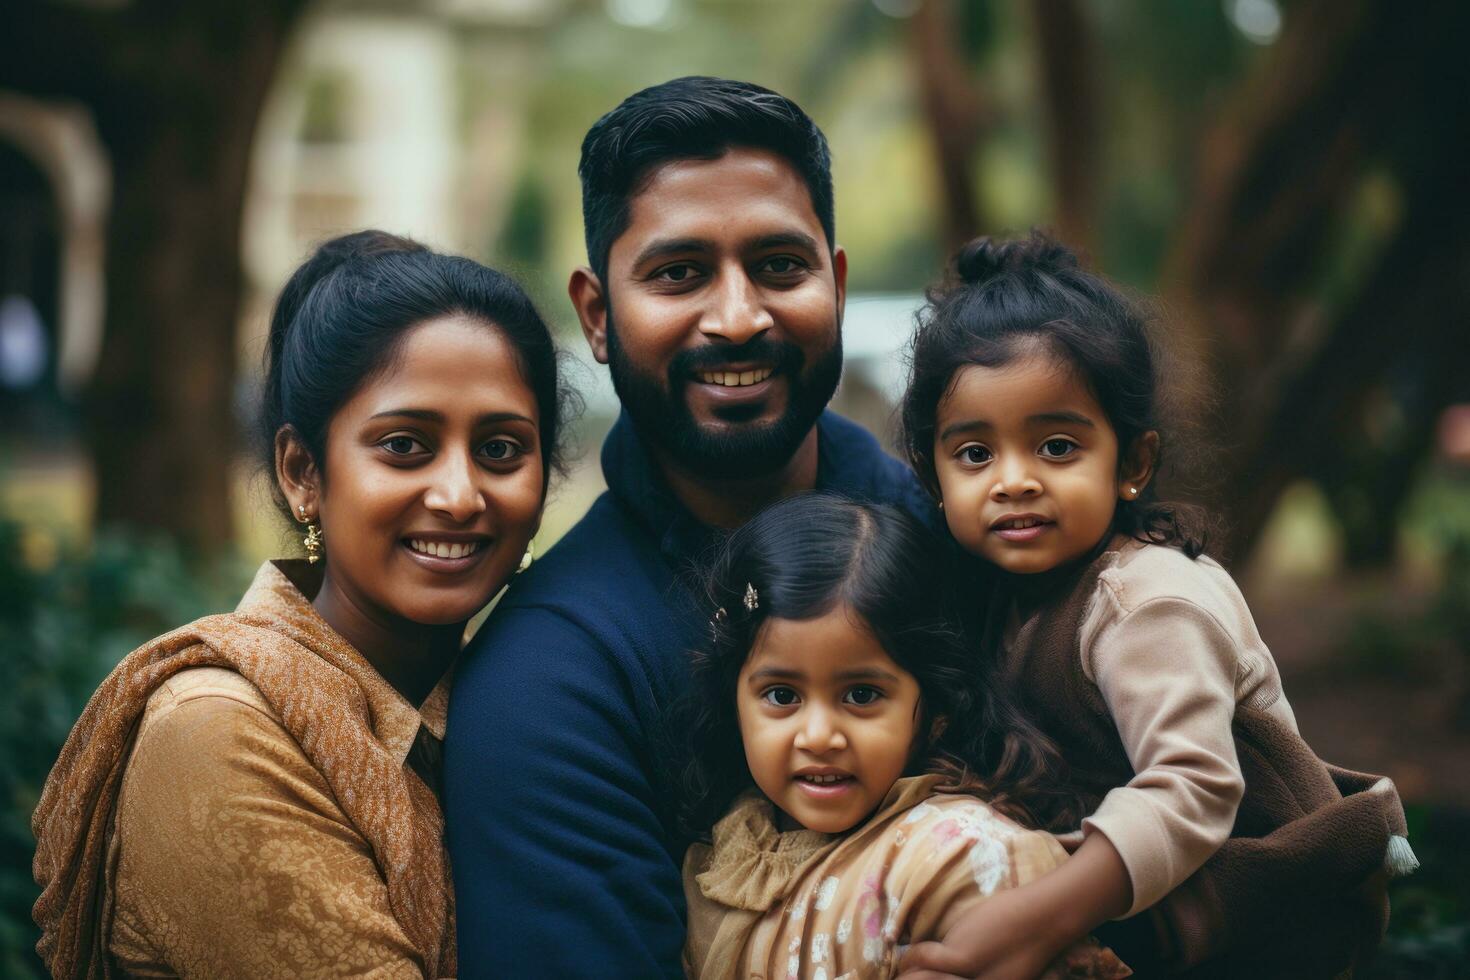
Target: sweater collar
849 462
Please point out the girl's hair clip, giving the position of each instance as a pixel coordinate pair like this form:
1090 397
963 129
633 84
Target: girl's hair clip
752 598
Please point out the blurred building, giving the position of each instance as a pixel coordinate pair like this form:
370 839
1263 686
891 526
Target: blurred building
53 208
363 130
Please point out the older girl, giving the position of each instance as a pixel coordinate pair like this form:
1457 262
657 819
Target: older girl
1033 413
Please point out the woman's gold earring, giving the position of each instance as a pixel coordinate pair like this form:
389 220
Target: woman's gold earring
313 542
527 558
313 539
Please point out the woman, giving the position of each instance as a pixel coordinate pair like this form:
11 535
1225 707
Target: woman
255 794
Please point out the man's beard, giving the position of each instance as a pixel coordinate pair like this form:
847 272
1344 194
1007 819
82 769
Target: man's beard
738 449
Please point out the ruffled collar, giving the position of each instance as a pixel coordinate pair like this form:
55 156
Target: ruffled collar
752 865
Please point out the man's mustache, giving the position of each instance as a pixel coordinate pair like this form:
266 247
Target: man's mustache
781 355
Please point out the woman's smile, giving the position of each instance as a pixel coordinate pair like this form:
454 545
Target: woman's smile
448 554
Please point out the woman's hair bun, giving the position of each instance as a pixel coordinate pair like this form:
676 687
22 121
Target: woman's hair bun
371 242
327 259
332 255
985 258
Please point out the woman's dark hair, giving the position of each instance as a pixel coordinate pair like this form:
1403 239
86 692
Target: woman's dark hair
1004 299
343 315
804 557
691 118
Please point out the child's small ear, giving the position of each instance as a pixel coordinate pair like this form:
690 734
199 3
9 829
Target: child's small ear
1137 465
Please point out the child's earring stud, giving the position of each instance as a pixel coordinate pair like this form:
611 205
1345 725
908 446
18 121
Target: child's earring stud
1133 491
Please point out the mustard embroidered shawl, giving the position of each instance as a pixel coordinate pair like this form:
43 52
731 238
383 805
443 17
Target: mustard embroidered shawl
330 700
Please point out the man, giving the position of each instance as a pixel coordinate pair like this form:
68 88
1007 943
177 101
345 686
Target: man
715 296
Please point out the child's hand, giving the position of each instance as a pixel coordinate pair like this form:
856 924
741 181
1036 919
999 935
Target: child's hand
1006 937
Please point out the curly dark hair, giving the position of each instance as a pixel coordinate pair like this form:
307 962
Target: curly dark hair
809 554
1004 297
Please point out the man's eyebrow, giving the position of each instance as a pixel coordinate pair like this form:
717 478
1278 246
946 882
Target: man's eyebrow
660 247
789 239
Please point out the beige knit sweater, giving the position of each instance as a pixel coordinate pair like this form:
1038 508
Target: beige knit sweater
1173 650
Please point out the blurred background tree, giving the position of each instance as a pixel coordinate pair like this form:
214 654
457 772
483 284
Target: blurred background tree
174 92
1286 175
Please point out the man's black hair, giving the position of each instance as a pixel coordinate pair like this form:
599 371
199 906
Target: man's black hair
697 118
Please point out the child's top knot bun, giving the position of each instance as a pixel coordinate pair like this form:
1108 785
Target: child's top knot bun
985 258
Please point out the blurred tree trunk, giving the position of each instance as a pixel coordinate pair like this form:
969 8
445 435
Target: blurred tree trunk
175 88
1351 84
1067 62
956 115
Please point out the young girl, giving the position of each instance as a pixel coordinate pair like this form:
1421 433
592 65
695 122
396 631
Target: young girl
841 715
1032 413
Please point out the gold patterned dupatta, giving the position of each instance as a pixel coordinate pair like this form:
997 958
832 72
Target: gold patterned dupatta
332 703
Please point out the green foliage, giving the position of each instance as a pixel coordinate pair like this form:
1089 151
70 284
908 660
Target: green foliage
523 239
1429 931
325 115
64 624
1427 641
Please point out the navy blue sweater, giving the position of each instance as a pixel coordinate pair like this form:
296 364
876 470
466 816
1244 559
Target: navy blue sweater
558 808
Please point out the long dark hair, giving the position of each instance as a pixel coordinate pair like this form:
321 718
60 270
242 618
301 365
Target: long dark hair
344 313
1006 295
807 555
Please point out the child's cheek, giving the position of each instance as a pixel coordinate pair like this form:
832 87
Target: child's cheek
963 523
